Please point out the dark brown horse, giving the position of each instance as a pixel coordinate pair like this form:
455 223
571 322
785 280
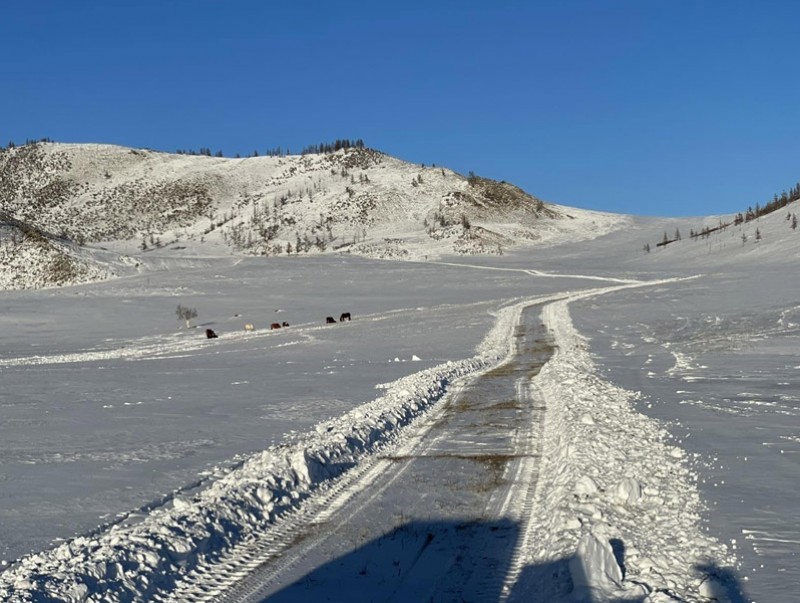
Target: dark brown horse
210 334
344 316
275 325
330 320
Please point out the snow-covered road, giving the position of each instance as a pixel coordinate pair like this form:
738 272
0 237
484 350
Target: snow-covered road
457 509
587 497
436 516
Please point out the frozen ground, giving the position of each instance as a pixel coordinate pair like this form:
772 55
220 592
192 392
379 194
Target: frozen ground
115 415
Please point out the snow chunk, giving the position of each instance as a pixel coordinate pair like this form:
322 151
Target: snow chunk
594 568
628 491
180 503
587 419
713 589
585 487
676 453
596 574
571 524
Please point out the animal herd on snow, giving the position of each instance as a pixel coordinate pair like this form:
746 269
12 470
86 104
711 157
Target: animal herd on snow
345 316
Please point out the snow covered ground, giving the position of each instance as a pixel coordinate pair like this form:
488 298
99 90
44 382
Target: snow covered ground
133 450
717 360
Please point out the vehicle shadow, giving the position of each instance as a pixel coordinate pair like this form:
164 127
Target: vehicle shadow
451 561
417 561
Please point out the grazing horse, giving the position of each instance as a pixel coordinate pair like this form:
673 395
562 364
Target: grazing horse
249 327
275 325
330 320
344 316
210 334
284 324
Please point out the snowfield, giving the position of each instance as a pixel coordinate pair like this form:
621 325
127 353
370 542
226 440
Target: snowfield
581 495
140 461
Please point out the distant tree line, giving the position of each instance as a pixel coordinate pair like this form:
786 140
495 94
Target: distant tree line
277 152
12 145
325 147
752 213
332 147
314 149
204 151
777 202
707 231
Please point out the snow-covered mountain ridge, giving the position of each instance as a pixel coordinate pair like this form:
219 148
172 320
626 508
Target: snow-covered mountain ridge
357 200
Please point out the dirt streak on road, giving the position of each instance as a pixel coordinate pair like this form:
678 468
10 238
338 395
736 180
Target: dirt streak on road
440 517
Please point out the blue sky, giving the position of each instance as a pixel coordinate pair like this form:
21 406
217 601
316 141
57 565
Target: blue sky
647 107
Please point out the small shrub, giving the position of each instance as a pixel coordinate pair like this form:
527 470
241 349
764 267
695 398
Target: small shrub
186 314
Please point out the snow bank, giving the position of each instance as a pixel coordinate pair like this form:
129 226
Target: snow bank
136 558
615 500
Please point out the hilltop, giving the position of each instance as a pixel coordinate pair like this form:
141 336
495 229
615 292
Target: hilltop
63 205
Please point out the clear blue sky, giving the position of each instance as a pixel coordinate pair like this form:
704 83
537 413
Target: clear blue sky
655 107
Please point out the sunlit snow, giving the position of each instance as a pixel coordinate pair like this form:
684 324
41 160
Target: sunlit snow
136 456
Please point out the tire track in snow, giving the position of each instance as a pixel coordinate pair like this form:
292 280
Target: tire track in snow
611 477
248 569
363 487
532 272
519 503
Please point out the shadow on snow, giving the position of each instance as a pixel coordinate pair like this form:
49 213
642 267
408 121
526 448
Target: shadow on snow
417 561
448 561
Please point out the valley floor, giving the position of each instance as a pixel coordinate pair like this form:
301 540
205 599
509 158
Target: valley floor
147 457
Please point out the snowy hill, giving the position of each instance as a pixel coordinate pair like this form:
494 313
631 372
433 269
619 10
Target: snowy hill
356 201
34 258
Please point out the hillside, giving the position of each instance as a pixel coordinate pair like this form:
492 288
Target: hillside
357 201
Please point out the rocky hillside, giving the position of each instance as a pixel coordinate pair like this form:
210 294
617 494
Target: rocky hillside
357 201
